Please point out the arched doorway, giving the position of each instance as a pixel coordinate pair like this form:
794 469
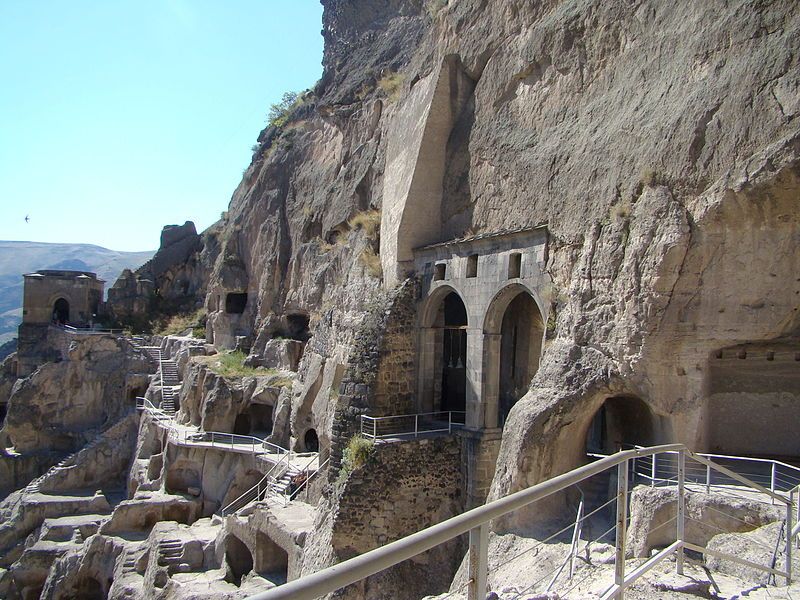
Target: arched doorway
311 441
453 319
621 422
61 311
514 331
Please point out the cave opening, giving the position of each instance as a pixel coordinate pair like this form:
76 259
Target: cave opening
238 558
235 303
311 441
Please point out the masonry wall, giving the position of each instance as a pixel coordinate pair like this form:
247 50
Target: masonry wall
405 487
381 376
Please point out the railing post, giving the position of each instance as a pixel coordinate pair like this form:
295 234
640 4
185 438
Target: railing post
374 429
653 472
622 520
708 479
789 508
416 425
772 480
450 422
478 562
797 513
680 521
361 418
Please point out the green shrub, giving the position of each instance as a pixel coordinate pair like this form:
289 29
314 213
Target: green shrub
356 454
280 112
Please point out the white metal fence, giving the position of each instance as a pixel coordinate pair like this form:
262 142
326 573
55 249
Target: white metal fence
476 523
411 426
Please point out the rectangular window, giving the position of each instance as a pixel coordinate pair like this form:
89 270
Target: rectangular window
514 265
440 271
472 265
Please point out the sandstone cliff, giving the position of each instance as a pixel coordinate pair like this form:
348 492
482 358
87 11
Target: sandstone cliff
651 155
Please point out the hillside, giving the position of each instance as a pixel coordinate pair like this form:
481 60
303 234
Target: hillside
17 258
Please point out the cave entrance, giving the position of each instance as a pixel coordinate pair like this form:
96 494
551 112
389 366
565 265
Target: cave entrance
311 441
297 327
621 422
257 419
242 424
238 558
442 375
235 303
88 588
61 311
3 411
272 561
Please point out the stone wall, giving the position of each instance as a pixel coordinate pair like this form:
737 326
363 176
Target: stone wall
403 488
380 378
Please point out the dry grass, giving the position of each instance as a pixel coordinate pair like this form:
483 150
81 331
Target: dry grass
368 221
391 84
176 324
372 263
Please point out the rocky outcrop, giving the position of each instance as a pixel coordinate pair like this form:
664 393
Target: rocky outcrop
64 405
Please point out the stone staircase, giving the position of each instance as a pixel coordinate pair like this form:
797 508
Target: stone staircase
169 553
34 487
279 487
170 379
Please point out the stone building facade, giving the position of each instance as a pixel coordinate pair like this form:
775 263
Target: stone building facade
61 296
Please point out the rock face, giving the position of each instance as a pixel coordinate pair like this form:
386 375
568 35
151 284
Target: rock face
64 405
653 153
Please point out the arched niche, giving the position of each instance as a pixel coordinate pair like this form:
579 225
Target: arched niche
239 559
513 337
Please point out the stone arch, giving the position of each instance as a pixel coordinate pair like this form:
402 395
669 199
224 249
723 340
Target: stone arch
272 561
513 339
61 310
443 351
238 558
433 303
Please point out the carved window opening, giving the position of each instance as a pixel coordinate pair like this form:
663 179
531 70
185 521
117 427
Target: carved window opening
472 265
514 265
235 303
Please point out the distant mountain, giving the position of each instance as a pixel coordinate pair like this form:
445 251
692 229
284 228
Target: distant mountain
17 258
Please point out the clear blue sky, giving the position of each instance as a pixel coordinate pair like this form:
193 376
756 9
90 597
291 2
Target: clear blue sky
120 116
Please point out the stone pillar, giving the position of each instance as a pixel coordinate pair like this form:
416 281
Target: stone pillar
490 392
475 408
426 367
479 452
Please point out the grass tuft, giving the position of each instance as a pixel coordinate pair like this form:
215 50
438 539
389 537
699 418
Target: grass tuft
356 454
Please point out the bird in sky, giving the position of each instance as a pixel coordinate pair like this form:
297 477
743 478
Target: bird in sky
27 219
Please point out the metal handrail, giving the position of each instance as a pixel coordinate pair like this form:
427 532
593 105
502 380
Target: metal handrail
308 479
216 438
476 522
773 477
370 425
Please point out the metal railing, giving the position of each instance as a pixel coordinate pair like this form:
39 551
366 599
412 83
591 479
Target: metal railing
775 475
87 330
307 480
400 426
214 439
476 523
